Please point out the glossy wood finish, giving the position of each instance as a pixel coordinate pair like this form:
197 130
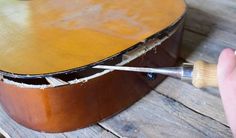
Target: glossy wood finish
44 36
74 106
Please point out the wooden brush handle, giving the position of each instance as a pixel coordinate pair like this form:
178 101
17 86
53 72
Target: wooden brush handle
204 75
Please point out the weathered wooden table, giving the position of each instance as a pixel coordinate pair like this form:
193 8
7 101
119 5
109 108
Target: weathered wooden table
174 108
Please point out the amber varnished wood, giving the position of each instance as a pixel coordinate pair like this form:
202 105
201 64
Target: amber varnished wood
45 36
75 106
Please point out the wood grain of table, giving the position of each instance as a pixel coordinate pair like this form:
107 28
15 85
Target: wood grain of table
174 108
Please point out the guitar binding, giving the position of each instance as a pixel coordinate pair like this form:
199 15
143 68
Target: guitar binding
76 75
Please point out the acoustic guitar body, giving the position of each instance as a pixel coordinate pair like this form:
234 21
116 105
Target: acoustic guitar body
48 50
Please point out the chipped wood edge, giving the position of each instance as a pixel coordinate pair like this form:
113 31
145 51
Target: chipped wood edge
4 133
130 56
55 82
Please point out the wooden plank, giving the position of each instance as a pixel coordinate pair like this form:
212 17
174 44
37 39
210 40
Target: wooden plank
195 99
159 116
210 27
90 132
205 16
11 129
199 47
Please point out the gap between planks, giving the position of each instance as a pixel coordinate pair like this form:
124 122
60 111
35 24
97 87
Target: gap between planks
157 115
195 99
